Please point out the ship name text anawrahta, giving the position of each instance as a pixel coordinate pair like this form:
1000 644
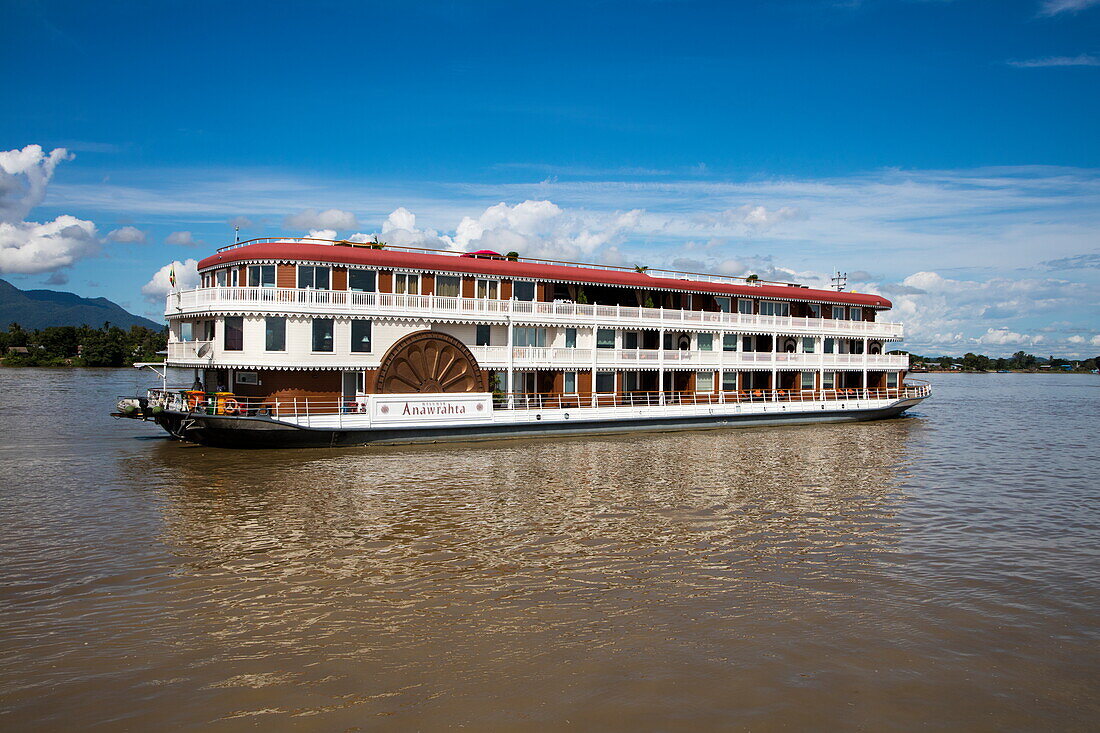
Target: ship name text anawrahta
300 342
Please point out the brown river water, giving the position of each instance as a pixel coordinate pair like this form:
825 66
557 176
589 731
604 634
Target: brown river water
940 572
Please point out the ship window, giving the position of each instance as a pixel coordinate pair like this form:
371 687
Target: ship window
360 336
892 380
830 346
605 382
744 306
313 277
275 333
523 290
855 314
809 345
828 380
774 308
570 338
704 381
706 342
815 310
448 286
405 283
234 277
729 342
856 347
630 339
529 336
729 381
207 330
746 343
807 380
322 334
838 312
723 303
605 338
220 275
482 335
261 276
186 332
363 281
488 289
234 333
569 383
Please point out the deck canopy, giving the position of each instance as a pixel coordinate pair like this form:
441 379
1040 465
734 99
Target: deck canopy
438 261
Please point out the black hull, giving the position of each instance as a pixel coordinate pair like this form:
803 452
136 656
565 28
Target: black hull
247 432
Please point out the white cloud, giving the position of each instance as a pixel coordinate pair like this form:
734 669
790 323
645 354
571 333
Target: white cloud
1005 337
182 239
327 219
242 222
127 235
31 247
1095 340
1081 59
187 276
322 234
24 175
1054 7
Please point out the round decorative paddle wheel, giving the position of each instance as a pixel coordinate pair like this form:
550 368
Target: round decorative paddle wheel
429 361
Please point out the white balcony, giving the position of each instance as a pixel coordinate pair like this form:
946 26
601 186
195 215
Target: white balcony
344 302
496 357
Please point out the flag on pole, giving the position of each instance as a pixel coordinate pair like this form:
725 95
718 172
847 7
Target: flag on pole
172 275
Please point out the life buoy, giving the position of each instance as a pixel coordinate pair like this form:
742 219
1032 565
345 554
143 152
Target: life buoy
230 406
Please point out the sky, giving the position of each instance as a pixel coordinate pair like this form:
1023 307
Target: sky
944 153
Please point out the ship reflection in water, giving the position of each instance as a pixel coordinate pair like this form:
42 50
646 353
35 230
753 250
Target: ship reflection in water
598 580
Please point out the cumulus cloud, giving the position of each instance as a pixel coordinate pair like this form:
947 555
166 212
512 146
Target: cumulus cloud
1005 337
182 239
1081 59
32 247
532 228
187 276
1054 7
127 235
322 234
327 219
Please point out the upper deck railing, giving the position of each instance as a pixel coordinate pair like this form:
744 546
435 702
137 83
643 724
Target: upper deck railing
671 274
276 300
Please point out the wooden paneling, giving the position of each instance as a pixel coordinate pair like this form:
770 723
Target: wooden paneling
427 284
385 281
505 289
339 278
467 287
286 276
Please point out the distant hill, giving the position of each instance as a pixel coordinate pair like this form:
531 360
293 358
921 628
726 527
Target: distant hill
43 308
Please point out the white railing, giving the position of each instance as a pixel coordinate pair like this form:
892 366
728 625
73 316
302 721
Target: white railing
187 350
330 412
557 357
263 300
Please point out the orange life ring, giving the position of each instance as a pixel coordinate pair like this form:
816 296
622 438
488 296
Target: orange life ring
230 406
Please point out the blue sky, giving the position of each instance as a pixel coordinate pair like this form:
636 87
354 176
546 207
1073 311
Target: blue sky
943 152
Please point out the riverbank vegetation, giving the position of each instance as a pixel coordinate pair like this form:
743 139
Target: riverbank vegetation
1021 361
108 346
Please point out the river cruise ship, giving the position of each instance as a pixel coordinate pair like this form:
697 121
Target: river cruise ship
302 342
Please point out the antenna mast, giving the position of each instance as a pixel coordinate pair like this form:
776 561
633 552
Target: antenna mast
237 232
839 281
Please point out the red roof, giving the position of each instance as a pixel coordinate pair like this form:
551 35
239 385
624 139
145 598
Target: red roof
385 258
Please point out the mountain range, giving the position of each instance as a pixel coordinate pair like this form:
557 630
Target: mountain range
33 309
